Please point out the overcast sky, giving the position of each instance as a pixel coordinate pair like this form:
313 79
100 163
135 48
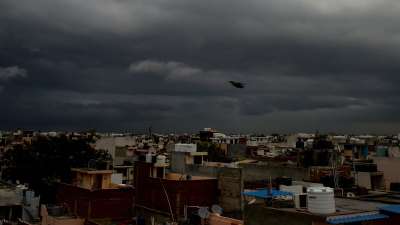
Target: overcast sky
328 65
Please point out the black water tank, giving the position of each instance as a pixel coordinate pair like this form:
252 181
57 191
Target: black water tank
283 181
395 187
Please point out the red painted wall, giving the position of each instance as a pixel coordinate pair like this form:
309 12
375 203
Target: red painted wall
107 203
149 192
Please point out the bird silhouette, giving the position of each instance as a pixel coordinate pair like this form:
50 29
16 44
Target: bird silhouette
236 84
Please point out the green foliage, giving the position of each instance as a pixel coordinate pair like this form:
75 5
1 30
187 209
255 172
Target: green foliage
48 159
214 152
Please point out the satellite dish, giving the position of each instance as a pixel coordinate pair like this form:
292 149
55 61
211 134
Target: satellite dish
203 212
216 209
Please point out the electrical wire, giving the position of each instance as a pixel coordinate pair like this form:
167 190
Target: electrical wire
169 203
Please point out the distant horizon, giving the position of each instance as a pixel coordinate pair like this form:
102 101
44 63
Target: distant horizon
144 131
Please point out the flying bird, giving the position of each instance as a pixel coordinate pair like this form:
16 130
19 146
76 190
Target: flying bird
236 84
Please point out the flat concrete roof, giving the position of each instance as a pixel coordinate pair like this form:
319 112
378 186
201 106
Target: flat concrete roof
8 195
344 206
91 171
179 176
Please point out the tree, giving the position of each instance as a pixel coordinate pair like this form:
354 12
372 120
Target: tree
215 154
48 160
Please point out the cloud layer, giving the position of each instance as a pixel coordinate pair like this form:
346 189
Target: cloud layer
127 65
7 73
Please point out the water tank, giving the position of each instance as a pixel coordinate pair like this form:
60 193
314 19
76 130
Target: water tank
382 151
283 181
185 147
364 151
160 160
395 186
55 210
321 200
149 157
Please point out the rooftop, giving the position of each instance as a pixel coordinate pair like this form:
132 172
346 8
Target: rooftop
179 176
91 171
8 195
262 193
344 206
354 218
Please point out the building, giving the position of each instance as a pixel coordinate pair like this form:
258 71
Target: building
185 154
93 195
92 179
57 215
120 148
18 202
10 203
264 208
170 196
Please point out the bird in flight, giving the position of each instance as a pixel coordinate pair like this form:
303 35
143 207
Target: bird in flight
236 84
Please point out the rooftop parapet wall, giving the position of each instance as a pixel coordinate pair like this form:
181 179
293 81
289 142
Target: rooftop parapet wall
253 172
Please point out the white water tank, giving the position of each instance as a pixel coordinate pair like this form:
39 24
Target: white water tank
185 147
161 159
321 200
149 157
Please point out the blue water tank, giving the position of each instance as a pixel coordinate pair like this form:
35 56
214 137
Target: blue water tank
364 151
382 151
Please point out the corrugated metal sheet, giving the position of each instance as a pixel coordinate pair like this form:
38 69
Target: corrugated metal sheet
353 218
262 193
393 209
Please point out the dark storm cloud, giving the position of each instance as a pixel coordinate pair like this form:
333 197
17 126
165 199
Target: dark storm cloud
77 111
119 64
266 104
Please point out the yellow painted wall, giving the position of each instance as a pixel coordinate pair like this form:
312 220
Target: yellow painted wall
88 180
